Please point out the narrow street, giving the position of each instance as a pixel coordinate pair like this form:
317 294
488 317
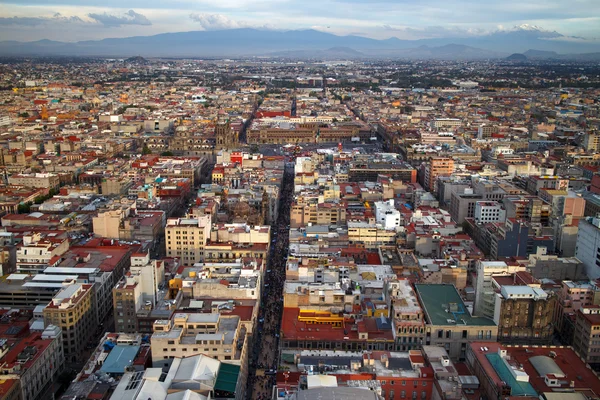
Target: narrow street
265 354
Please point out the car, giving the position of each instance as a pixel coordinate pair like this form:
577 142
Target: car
271 372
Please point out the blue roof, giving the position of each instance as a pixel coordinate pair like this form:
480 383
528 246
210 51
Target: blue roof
119 358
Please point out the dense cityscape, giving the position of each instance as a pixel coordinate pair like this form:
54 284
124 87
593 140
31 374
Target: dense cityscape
299 229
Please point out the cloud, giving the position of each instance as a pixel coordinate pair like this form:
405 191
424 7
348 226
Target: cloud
214 22
36 21
129 18
431 32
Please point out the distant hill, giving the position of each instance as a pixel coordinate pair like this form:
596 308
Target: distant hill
137 60
312 43
541 54
517 57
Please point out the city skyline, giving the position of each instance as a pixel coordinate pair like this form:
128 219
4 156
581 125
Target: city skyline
70 20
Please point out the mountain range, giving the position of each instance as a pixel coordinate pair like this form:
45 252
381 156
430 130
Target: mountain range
312 43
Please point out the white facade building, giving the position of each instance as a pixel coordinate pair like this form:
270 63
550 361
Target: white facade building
588 246
489 211
387 215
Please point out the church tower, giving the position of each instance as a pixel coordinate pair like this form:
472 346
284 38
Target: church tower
226 138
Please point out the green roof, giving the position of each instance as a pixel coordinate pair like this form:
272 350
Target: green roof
444 306
227 377
517 388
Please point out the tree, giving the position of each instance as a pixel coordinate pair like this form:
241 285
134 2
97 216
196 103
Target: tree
312 94
167 154
24 208
24 115
146 150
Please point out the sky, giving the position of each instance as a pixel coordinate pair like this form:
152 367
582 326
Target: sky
75 20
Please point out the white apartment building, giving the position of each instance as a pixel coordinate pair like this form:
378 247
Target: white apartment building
387 215
489 211
588 246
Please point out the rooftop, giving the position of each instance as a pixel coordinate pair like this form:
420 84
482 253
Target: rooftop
444 306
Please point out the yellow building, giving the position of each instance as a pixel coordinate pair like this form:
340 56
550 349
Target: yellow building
72 311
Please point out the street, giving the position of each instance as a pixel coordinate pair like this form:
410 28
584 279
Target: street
265 354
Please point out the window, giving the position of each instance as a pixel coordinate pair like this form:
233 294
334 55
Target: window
440 334
464 334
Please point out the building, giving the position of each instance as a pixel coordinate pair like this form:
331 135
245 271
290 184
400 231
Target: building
72 310
186 237
591 142
572 297
545 266
484 287
536 372
37 180
524 314
588 246
387 215
136 291
407 315
193 378
489 211
216 335
585 343
436 167
449 324
225 136
30 361
39 251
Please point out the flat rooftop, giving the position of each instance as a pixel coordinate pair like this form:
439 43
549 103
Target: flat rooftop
444 306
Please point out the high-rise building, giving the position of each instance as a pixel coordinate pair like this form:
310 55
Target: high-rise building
588 246
186 238
72 310
437 166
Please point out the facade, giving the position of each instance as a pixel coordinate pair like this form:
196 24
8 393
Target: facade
436 167
588 246
449 324
484 288
225 136
387 215
214 335
42 181
30 361
38 252
136 291
524 314
72 310
489 211
186 238
585 343
407 315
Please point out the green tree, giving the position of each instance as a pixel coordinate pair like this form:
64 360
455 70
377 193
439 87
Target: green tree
167 154
24 208
24 115
146 150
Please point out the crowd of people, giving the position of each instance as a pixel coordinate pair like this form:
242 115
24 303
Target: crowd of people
265 355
